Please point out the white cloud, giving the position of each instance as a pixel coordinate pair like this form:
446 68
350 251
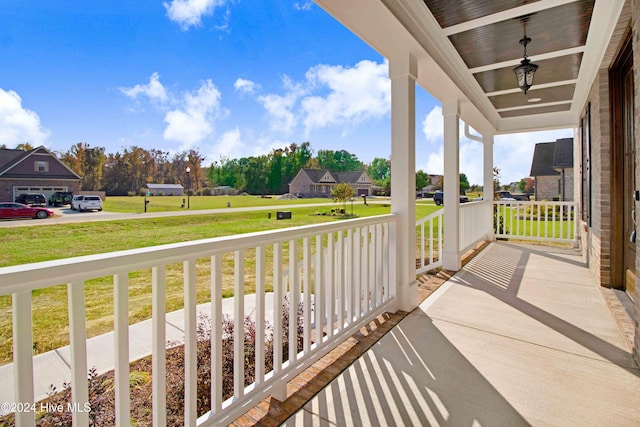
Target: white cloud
303 6
355 94
230 145
18 125
280 107
433 125
246 86
330 96
193 121
154 90
188 13
512 154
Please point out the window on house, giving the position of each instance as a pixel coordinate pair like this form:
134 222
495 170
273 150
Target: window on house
41 166
585 165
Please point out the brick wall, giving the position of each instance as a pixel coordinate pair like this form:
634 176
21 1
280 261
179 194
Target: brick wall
596 240
547 187
550 187
300 184
635 25
6 186
568 185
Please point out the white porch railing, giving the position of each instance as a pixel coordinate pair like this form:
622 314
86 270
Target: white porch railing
341 274
541 221
475 224
430 242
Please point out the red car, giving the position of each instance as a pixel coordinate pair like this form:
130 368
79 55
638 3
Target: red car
18 210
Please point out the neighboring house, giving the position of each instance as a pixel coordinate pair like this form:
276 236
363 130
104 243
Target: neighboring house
36 171
552 169
434 183
319 182
224 190
165 189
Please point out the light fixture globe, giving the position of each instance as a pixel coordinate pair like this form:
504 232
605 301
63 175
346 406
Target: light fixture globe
524 74
525 71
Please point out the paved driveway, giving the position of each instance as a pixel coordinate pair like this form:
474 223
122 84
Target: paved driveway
64 215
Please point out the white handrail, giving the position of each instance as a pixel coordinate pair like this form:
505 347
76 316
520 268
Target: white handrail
430 241
342 276
536 220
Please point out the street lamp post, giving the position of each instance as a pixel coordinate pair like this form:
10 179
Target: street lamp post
188 170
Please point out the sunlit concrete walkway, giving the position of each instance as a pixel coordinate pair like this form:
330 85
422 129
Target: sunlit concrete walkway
520 336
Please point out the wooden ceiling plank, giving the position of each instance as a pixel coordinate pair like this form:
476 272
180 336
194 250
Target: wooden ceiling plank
541 57
504 15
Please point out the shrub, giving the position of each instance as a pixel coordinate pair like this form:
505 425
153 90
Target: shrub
102 389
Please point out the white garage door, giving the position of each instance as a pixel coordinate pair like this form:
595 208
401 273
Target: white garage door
47 191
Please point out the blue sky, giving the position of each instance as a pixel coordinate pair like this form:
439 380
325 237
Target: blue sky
230 78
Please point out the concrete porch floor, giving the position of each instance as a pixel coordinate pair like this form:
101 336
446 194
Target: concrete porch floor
520 336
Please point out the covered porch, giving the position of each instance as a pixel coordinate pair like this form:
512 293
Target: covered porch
519 336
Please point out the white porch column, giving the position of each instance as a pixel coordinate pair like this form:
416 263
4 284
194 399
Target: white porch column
451 255
487 141
403 73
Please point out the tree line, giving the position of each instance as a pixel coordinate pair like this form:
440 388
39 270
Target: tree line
127 172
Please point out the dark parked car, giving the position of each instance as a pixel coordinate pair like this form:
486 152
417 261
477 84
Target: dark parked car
32 199
60 198
438 198
18 210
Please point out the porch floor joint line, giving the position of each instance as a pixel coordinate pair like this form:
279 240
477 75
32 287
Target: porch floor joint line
571 353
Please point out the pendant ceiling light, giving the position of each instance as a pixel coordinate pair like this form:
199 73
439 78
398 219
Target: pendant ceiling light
525 71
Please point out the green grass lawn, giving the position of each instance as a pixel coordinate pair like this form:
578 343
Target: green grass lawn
47 242
174 203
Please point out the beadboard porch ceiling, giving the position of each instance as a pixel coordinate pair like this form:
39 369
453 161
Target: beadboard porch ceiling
468 49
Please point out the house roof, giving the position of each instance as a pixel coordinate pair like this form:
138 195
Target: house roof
349 176
316 175
10 158
542 163
563 154
549 156
159 186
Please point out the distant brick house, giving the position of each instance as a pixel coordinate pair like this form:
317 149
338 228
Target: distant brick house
319 182
552 169
36 171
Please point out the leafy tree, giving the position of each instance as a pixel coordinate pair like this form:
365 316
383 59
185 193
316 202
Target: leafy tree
193 160
115 178
422 179
464 183
379 169
87 162
525 185
25 147
342 193
496 182
338 161
275 173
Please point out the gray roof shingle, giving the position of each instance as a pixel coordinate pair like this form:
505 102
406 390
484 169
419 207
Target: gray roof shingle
549 156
